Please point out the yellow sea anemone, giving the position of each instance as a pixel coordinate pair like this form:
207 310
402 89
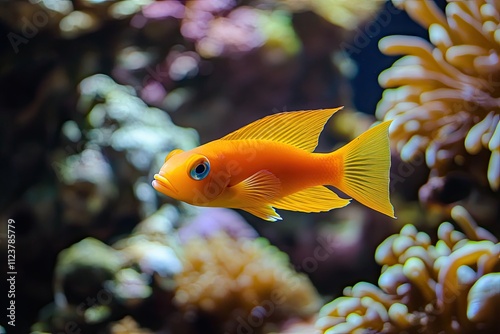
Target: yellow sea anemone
432 288
444 95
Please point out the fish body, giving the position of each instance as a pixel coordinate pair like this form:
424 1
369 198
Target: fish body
270 164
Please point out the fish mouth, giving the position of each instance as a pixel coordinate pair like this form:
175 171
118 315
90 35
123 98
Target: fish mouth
163 185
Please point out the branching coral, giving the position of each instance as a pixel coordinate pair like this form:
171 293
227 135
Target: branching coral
450 286
241 282
444 96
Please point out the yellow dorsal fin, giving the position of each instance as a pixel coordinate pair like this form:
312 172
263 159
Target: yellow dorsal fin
298 128
265 212
314 199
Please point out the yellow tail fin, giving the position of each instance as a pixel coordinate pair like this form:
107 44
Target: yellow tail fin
367 161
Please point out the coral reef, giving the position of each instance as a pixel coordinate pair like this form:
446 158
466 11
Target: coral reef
95 283
127 129
241 284
127 325
209 221
96 93
443 95
222 28
450 286
65 18
82 299
237 281
343 13
87 187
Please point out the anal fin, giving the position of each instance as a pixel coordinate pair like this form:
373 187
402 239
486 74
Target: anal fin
265 212
314 199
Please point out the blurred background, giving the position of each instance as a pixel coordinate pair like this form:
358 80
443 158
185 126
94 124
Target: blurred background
94 94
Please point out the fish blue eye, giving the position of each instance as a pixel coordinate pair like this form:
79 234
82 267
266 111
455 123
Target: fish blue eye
200 170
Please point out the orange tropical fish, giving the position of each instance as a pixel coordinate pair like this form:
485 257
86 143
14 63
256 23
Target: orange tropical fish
270 164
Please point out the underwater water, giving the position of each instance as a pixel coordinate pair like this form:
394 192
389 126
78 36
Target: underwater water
95 94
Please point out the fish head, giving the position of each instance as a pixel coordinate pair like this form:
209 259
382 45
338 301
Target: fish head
190 177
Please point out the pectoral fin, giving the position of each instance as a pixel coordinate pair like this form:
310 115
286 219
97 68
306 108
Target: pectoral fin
257 190
314 199
255 193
